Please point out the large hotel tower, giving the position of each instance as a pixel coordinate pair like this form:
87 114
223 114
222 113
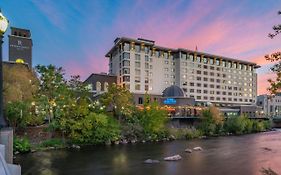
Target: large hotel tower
141 66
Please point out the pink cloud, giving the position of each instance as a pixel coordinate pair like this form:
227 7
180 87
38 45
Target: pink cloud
263 83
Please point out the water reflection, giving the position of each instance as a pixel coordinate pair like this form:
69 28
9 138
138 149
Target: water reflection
224 155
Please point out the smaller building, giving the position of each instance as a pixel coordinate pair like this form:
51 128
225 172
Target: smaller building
98 83
20 46
271 105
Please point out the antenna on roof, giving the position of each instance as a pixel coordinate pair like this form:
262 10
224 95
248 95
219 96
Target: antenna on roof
196 49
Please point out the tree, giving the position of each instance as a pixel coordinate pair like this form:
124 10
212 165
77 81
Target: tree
275 85
53 93
119 100
20 83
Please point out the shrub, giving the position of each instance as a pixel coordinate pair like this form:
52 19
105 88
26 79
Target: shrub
17 113
21 145
95 129
185 133
211 121
52 143
153 121
238 125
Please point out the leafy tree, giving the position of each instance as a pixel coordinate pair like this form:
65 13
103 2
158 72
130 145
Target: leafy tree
275 85
211 121
53 92
20 83
119 100
17 113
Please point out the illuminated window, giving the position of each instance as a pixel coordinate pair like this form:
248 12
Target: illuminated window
98 86
105 86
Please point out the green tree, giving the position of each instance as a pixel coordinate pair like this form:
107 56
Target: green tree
17 113
275 85
119 100
53 93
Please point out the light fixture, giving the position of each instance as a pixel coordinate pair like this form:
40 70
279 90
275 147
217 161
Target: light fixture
3 23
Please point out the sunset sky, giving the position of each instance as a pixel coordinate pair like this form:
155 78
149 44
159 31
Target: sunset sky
76 34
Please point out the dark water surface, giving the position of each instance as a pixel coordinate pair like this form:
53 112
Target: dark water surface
234 155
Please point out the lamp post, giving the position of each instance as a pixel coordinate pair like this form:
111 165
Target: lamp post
3 27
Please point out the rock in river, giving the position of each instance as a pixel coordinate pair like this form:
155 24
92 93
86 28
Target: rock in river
173 158
188 150
197 148
150 161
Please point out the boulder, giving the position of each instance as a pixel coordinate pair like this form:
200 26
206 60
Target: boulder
116 142
124 141
173 158
188 150
198 148
150 161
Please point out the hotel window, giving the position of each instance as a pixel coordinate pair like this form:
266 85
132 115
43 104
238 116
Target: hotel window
137 71
137 57
137 79
211 60
166 62
166 55
229 93
146 80
126 78
235 65
217 62
173 70
223 63
184 56
146 58
205 67
146 50
137 64
191 90
239 66
223 93
185 70
198 91
205 79
126 47
205 60
157 53
212 73
198 78
205 98
198 97
198 84
166 82
146 73
126 63
140 100
218 92
212 86
218 86
218 98
198 59
205 85
184 83
212 80
126 71
166 69
198 72
146 65
191 84
146 87
218 69
205 73
137 48
212 68
191 57
98 86
126 55
205 92
212 98
229 99
137 86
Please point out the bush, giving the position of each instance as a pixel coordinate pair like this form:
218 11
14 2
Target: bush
52 143
21 145
153 121
211 121
17 113
94 129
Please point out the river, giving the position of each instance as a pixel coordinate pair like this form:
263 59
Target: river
232 155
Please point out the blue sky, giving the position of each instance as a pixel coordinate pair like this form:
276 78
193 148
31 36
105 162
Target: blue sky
76 34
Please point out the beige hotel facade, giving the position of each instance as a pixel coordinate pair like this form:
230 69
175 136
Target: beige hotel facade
141 66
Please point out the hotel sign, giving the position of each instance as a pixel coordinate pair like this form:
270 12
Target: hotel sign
170 101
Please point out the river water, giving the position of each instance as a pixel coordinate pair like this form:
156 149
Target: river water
232 155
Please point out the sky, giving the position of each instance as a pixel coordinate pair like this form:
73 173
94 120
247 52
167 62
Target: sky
76 34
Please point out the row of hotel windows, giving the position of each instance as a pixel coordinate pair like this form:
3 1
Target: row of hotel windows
218 86
192 57
222 99
218 92
213 68
218 62
224 81
99 86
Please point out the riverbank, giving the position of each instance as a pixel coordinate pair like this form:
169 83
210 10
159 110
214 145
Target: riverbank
244 154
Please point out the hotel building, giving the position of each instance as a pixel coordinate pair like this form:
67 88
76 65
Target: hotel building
141 66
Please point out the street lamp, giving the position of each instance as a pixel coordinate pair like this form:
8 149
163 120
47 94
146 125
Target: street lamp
3 27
